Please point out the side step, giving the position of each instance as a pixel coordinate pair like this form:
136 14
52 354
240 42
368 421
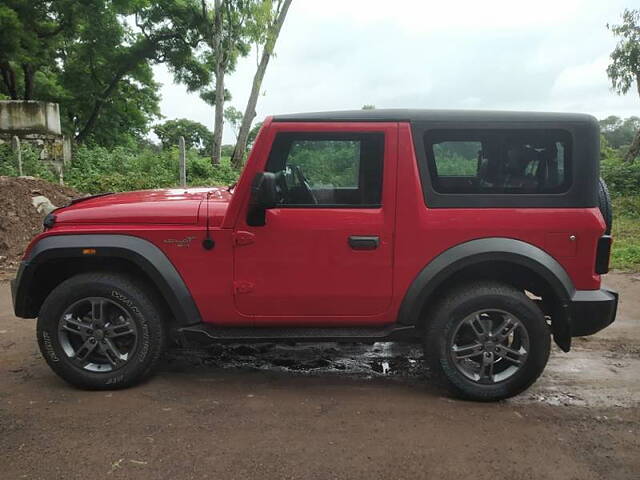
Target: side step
205 333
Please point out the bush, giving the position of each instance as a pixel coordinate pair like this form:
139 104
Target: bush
31 163
626 233
622 178
7 161
96 169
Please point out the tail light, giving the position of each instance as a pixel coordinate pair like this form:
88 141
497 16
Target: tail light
603 252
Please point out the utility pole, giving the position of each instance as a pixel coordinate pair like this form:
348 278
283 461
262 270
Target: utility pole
15 144
183 162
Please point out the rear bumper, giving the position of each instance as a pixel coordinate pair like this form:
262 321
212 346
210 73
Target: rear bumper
591 311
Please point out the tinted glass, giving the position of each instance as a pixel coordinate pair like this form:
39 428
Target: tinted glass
327 163
325 169
499 161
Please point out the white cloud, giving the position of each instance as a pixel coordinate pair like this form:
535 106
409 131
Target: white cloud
584 77
493 54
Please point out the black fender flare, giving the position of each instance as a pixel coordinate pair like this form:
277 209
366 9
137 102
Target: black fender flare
482 250
144 254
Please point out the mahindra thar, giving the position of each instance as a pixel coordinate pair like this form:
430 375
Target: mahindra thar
480 234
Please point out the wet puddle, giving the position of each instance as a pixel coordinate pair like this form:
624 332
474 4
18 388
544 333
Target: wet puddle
378 359
583 377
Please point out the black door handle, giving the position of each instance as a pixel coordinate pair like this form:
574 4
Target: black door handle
364 243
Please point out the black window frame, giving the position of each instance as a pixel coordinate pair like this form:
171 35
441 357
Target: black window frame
583 161
282 144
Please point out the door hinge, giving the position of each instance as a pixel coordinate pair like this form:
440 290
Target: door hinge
242 286
244 238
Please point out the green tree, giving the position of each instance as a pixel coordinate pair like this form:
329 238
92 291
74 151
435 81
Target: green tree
195 134
264 29
619 132
30 34
94 57
119 44
253 133
368 106
624 69
222 35
233 117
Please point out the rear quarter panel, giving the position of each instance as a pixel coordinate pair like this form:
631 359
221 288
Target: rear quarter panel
422 233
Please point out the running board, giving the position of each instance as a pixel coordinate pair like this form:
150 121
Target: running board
204 333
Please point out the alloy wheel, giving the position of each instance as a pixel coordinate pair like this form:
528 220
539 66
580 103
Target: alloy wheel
489 346
97 334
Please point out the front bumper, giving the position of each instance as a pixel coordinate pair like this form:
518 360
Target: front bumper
21 301
591 311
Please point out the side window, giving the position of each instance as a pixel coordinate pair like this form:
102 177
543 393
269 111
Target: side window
499 161
457 158
328 169
327 163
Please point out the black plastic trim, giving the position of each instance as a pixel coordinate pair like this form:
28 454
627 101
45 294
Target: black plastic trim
205 333
585 163
592 310
432 115
476 251
143 253
359 242
87 197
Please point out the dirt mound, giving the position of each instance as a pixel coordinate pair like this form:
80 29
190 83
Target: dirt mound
19 220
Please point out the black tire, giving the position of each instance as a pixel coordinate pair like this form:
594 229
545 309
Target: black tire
451 316
604 203
127 302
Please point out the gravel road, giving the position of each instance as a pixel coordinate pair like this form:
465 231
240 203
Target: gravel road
323 411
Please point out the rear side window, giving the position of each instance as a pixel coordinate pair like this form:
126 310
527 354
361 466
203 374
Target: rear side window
499 161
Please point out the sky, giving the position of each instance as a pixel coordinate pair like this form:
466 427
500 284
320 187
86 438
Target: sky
547 55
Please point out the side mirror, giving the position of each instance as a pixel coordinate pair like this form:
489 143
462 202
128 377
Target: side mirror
263 196
263 190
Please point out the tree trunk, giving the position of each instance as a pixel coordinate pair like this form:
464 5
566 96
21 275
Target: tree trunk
250 111
634 148
28 71
9 80
216 145
97 107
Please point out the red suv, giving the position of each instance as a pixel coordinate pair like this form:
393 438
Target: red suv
479 234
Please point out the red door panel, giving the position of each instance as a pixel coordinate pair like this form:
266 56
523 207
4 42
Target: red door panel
299 268
301 264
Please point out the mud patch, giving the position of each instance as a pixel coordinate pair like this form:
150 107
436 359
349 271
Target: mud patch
378 359
583 377
591 378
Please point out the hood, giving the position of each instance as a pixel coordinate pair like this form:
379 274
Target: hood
176 206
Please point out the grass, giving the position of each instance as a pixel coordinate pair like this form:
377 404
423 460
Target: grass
626 234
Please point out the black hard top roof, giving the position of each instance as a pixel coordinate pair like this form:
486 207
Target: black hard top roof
423 115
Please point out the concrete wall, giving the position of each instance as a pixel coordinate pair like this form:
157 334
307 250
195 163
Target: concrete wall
24 117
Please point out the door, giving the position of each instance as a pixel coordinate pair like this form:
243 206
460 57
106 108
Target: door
325 254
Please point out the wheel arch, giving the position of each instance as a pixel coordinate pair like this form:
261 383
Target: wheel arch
504 259
56 258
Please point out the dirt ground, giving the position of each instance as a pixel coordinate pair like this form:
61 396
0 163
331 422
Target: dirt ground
19 220
323 411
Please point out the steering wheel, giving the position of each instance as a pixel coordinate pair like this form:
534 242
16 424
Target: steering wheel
297 171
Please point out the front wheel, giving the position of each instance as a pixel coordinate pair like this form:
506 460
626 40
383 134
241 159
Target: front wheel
487 341
101 331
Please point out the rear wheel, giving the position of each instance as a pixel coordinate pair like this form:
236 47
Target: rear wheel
101 331
487 341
